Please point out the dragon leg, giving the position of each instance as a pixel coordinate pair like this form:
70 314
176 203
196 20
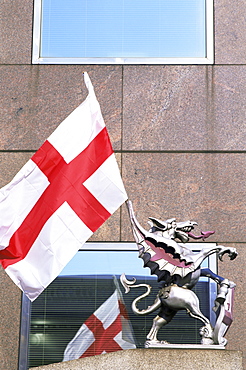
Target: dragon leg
158 322
163 318
225 284
210 274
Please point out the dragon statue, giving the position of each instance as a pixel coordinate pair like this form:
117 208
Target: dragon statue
178 269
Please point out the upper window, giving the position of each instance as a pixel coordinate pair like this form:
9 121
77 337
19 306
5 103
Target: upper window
123 31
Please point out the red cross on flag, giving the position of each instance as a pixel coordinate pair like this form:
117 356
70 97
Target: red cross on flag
63 194
107 330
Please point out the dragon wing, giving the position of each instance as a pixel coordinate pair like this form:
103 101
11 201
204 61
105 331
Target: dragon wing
163 256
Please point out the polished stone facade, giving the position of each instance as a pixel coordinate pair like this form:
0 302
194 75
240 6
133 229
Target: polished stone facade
179 133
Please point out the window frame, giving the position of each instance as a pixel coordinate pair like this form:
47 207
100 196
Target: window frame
209 59
108 246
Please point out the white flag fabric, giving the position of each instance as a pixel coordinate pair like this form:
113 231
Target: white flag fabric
107 330
63 194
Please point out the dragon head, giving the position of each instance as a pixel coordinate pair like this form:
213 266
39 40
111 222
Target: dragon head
172 229
183 229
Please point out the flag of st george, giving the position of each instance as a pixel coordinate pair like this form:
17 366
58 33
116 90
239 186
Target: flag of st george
63 194
106 330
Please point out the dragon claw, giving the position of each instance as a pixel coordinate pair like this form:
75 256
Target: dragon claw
232 253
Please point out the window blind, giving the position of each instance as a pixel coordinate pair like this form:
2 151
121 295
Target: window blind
123 29
65 305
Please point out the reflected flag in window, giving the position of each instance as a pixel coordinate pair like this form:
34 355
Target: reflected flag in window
107 330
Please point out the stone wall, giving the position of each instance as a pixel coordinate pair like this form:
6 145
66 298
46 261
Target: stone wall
153 359
178 131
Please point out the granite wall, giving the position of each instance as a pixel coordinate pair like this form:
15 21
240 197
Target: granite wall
178 130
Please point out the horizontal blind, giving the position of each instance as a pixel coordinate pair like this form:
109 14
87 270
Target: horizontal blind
58 313
123 28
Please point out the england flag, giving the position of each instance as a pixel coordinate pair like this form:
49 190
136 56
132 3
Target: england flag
63 194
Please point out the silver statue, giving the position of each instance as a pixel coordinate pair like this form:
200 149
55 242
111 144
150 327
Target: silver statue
178 269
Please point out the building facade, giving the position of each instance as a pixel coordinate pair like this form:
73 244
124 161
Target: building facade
178 131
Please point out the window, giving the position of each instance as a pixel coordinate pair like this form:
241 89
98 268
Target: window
52 320
123 32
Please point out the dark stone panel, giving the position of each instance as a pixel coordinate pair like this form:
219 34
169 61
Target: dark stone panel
203 187
16 31
36 99
184 108
10 164
230 35
227 125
